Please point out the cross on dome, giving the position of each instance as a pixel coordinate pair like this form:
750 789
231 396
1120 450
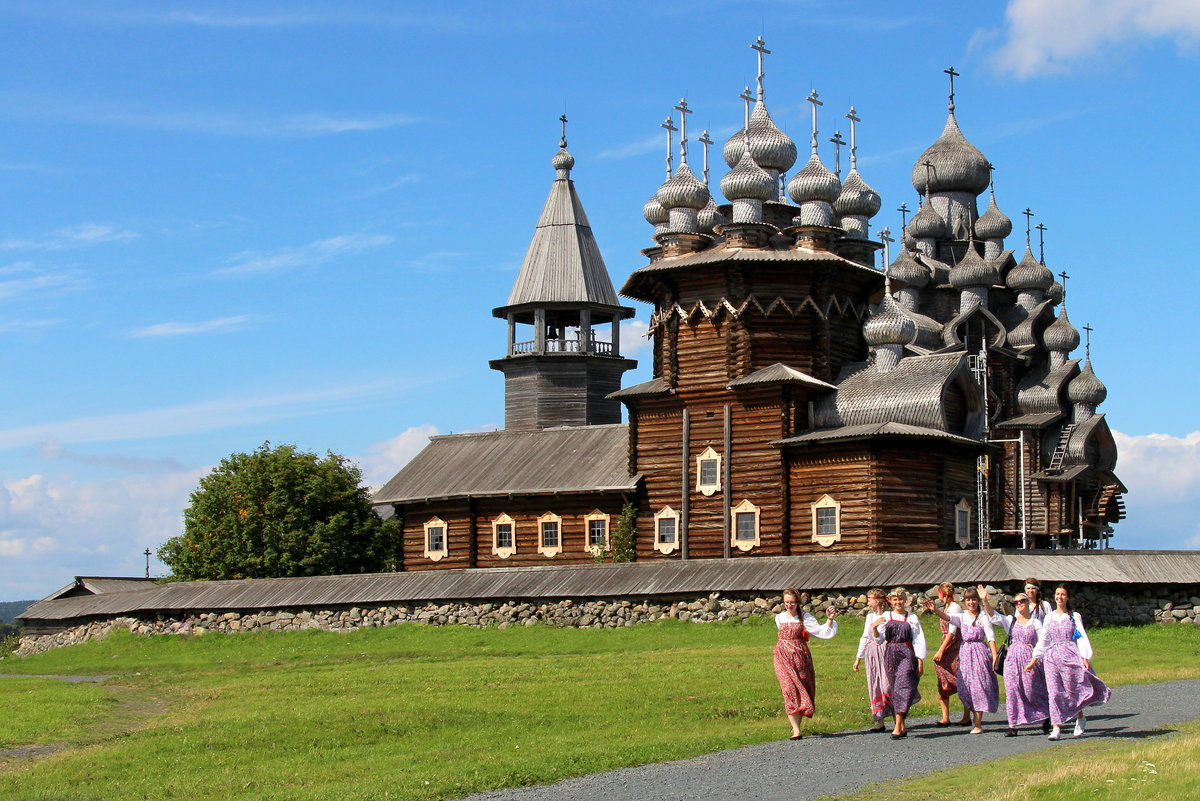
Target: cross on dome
904 210
761 47
854 119
813 97
705 140
952 75
1041 229
563 142
1028 217
837 141
669 125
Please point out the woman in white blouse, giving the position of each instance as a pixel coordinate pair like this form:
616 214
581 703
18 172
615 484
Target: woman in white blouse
871 651
793 660
1065 653
903 656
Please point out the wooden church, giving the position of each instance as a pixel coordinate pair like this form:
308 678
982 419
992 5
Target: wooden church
803 400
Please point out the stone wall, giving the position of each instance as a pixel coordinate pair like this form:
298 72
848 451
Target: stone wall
1099 604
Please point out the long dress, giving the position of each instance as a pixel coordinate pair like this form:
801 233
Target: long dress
793 660
1069 684
903 644
975 677
947 666
878 682
1025 697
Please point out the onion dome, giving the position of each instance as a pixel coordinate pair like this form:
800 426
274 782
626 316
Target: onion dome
1060 335
889 325
654 212
683 190
1029 275
1086 388
974 270
993 223
1056 294
748 181
710 217
562 160
770 147
958 166
926 223
856 198
814 182
908 270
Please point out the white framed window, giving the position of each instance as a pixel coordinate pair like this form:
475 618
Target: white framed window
437 538
962 523
596 530
549 534
745 534
826 521
666 530
504 536
708 472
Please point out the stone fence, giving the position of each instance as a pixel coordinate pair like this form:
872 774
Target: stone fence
1100 604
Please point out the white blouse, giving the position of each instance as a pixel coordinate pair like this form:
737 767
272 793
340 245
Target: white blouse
953 609
957 621
868 634
1008 621
1039 611
825 631
1083 643
918 634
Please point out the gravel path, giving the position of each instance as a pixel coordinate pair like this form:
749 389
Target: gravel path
840 763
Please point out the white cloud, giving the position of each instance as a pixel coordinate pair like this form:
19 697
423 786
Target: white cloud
384 459
639 148
322 250
175 329
1054 36
633 337
1162 473
40 282
88 233
15 326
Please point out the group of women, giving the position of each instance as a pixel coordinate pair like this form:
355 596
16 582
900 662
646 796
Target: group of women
1046 662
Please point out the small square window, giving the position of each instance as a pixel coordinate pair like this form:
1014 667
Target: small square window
962 523
708 471
745 525
666 530
437 538
550 534
597 533
504 535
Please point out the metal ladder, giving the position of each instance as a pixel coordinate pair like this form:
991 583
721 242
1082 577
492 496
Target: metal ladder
1060 450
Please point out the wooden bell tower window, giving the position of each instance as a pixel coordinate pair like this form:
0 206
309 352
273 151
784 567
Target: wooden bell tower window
436 539
708 472
962 523
745 534
826 521
666 530
504 536
550 534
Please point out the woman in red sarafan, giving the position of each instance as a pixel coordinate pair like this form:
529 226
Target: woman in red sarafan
945 661
793 660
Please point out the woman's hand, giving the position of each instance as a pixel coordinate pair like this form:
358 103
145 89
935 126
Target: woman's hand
1032 664
882 621
920 667
831 613
938 656
854 667
1087 664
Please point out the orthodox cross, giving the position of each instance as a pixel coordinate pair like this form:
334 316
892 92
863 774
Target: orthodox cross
885 236
928 177
853 140
837 141
991 168
903 209
952 75
683 110
812 98
1041 229
147 555
1063 275
761 47
1087 348
563 142
669 124
1028 216
705 140
746 96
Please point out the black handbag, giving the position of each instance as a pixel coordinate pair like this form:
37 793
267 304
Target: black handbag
1001 655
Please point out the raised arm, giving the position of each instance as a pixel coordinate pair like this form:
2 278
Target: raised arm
827 629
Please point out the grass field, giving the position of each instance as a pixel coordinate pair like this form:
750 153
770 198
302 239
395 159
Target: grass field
413 712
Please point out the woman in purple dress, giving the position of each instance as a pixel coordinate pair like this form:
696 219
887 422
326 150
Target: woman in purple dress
1025 698
903 657
1065 652
976 674
871 651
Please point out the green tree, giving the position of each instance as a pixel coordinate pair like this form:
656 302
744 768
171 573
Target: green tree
276 512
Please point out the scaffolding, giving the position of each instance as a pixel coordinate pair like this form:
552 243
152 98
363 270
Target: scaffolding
983 501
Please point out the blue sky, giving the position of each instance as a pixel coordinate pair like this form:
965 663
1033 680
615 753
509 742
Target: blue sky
228 223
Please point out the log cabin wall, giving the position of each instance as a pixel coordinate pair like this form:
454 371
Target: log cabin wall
844 473
958 482
908 514
462 516
657 424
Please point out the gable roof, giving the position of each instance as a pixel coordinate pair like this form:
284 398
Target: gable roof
780 373
875 431
568 459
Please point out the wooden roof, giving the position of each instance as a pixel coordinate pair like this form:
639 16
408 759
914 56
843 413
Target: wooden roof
568 459
655 577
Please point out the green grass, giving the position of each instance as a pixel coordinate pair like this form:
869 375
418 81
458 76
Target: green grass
414 712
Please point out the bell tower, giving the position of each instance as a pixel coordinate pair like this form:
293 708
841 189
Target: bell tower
564 345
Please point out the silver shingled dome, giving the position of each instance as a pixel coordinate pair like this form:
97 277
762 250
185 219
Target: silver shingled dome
770 147
748 181
654 212
710 217
856 198
562 160
908 270
993 223
683 190
1060 335
974 270
889 325
1086 388
926 223
958 166
1029 275
814 182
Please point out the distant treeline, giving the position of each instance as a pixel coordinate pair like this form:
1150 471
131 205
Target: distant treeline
10 609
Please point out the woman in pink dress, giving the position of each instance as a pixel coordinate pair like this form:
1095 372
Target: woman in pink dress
793 660
871 651
1065 652
1025 699
976 674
